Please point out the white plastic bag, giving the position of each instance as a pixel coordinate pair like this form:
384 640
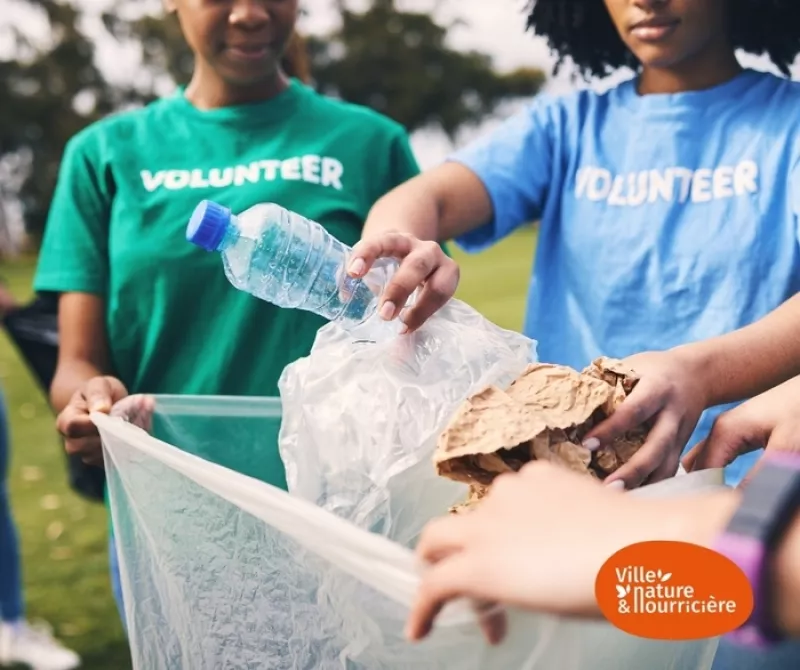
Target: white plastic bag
222 571
361 419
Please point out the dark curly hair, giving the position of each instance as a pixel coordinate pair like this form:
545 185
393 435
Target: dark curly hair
582 31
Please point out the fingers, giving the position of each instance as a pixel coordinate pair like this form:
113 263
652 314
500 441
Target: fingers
90 449
98 395
367 251
86 447
658 448
729 437
667 468
442 537
442 546
492 620
74 423
423 264
438 289
80 434
644 402
102 392
141 412
451 578
690 459
785 437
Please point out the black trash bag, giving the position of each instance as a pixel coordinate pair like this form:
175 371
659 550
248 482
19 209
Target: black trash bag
33 329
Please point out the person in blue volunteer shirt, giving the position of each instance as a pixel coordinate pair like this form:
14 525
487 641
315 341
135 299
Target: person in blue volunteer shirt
667 206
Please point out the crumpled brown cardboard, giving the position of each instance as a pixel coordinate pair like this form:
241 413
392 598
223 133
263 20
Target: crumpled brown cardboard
543 415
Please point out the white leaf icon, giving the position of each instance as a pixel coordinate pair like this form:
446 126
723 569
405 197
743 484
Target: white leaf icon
666 577
659 574
621 592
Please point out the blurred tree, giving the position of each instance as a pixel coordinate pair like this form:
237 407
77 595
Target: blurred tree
400 64
47 94
396 62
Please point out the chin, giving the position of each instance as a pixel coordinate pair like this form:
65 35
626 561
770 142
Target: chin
250 77
658 57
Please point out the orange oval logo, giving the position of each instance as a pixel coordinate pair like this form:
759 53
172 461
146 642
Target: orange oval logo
673 591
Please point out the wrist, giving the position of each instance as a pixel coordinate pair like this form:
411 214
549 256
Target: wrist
699 518
700 363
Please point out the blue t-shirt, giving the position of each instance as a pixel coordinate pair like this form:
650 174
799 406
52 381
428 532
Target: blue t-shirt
664 219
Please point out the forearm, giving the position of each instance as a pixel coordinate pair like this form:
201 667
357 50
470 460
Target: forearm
751 360
70 376
438 205
83 346
410 208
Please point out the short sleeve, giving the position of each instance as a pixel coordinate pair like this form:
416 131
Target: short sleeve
403 165
794 194
74 252
514 162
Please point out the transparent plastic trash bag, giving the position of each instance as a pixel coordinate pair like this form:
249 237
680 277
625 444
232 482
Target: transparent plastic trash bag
221 569
361 418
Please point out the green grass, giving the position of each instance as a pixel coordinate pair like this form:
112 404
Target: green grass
64 537
495 282
64 558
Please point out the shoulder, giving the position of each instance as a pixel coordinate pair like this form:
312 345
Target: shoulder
558 111
772 104
117 128
352 115
779 86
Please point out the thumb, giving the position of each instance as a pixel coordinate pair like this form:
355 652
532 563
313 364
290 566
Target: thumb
784 437
730 437
102 392
690 459
641 405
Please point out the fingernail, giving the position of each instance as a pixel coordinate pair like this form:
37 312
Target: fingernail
617 485
387 310
591 444
404 329
357 266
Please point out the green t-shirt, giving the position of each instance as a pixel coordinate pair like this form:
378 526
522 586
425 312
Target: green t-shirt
127 188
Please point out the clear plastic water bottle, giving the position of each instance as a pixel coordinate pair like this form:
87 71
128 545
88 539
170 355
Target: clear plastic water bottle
290 261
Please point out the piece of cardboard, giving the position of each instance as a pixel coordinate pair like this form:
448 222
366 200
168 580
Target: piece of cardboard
543 415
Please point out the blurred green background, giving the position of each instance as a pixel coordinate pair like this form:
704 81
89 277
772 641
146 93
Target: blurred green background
64 537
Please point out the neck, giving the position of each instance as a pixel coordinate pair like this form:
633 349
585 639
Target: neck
696 74
208 91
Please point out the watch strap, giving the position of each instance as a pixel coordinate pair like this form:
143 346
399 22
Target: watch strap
769 504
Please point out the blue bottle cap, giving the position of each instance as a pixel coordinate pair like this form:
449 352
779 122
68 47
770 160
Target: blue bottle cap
208 224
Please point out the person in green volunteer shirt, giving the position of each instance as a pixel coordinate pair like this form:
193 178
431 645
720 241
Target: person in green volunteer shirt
140 309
